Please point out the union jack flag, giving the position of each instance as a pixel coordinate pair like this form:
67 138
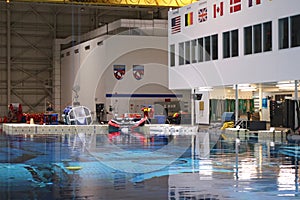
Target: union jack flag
202 15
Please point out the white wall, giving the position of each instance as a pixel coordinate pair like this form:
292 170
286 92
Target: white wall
275 65
92 70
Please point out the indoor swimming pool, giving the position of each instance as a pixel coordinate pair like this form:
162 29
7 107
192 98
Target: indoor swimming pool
139 165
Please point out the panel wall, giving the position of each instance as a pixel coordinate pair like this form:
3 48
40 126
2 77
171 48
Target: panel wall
27 33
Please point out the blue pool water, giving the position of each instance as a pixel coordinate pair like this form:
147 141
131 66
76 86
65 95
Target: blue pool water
135 165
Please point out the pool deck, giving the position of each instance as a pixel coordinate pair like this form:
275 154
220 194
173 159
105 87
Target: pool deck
230 134
165 129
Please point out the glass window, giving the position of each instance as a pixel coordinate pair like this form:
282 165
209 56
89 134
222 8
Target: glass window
226 46
283 33
214 42
187 52
172 55
248 40
207 48
194 50
200 50
257 38
181 53
295 31
234 43
267 36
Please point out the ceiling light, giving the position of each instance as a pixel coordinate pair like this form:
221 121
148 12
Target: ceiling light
204 89
245 87
286 85
249 89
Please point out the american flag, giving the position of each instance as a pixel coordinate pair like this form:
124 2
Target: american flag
202 15
176 24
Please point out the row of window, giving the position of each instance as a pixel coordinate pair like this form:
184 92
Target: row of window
77 50
257 39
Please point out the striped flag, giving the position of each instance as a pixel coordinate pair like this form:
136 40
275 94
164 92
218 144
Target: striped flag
176 24
235 5
189 19
218 10
202 15
251 2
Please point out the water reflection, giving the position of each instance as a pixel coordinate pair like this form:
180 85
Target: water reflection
142 165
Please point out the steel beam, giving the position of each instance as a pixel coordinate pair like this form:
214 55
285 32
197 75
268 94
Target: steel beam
8 48
33 46
151 3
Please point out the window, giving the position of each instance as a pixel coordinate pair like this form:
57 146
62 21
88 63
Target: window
200 50
234 43
283 33
187 52
257 38
226 45
181 53
248 40
207 48
214 44
295 31
267 36
230 44
194 51
172 55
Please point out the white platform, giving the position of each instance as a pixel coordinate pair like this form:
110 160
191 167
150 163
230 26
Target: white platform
15 129
263 135
165 129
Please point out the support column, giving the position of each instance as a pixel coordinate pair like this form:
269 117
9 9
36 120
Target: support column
260 97
8 53
296 103
236 103
192 108
296 90
56 76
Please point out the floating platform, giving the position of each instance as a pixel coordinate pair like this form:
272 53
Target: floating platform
262 135
166 129
151 129
17 129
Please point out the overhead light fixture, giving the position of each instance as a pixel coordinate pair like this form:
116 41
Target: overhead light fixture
246 87
204 89
249 89
286 85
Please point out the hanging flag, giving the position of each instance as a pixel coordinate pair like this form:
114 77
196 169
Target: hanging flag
218 10
202 15
235 5
176 24
138 71
119 71
189 19
251 2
